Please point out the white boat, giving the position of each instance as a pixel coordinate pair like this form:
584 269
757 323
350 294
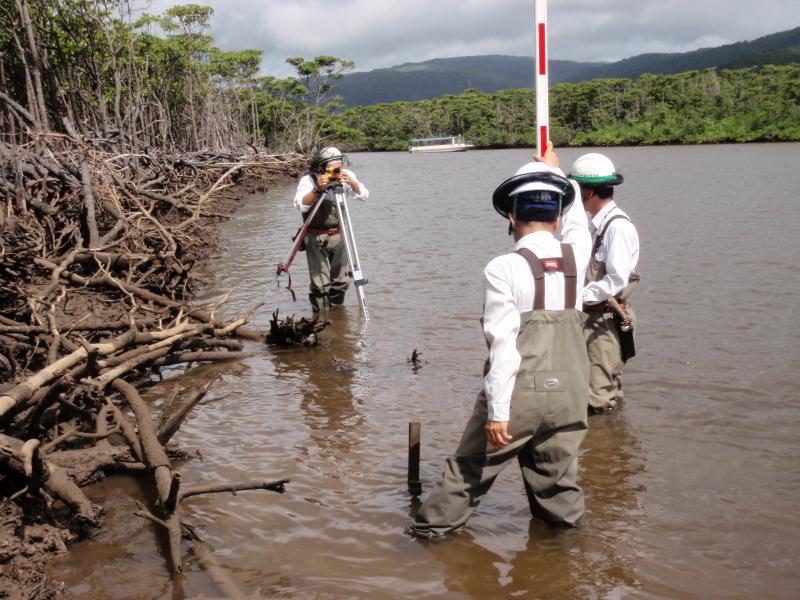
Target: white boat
448 143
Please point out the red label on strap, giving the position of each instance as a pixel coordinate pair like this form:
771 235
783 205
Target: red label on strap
551 264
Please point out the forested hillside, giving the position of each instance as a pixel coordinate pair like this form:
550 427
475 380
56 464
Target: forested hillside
743 105
437 77
741 54
440 76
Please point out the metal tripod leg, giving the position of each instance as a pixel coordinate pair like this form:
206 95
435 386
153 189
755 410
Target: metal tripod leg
352 252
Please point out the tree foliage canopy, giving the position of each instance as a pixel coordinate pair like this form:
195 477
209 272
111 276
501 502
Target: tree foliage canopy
160 80
696 107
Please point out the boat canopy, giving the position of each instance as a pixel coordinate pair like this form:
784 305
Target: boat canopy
446 138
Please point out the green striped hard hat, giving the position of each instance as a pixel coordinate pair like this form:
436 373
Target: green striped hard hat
595 170
329 154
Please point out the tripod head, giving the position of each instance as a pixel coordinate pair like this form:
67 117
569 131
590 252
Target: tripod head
336 188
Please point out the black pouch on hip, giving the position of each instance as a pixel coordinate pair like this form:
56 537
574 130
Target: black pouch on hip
626 343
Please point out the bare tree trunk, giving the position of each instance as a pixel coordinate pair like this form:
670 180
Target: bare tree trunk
112 51
254 111
195 141
33 105
101 104
134 83
36 68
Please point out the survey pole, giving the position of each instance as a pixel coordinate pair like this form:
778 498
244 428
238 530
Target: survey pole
542 96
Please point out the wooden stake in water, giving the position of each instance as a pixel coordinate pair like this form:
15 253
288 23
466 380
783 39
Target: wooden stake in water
542 88
414 484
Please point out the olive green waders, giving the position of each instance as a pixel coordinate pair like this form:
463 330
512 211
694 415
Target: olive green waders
327 257
602 336
548 422
328 269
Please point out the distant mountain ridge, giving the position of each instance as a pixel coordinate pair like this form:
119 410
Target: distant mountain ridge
440 76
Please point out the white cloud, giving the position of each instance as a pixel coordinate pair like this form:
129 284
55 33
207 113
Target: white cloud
383 33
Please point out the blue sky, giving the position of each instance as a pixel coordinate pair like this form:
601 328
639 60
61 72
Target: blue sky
384 33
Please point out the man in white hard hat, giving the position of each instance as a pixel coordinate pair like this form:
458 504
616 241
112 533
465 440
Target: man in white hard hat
325 249
610 280
533 403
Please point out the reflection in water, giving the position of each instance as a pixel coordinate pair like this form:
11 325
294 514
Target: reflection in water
612 468
469 568
548 566
325 377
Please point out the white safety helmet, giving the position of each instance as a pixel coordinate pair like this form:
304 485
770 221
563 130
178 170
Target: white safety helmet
595 170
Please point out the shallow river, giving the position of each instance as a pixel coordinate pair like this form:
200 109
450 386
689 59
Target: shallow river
692 489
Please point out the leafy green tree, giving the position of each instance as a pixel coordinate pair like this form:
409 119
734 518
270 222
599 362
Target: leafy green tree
314 85
186 26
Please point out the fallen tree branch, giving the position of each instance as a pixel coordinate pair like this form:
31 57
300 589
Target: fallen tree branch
217 488
26 461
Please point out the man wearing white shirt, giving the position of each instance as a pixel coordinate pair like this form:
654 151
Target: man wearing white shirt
533 403
325 248
610 280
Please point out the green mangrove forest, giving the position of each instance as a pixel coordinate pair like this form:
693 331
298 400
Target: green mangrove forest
161 81
698 107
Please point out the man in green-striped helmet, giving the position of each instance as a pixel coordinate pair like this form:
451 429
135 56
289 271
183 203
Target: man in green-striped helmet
325 248
610 280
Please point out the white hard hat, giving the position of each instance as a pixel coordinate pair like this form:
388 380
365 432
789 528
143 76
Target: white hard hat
593 169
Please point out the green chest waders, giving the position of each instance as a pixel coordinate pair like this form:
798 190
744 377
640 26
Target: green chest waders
548 419
326 217
326 256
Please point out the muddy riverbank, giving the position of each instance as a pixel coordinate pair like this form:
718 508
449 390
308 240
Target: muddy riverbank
61 294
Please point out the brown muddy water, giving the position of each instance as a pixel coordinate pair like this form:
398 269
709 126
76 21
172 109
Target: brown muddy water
692 489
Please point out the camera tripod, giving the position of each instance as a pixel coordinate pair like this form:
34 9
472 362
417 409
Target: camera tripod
346 226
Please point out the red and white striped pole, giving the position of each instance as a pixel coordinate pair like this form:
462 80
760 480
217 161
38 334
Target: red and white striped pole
542 100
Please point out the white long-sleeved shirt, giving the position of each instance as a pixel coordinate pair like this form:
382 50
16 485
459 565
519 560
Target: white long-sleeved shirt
306 184
509 291
619 250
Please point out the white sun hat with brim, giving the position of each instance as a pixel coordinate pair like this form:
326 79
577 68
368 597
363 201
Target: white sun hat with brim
531 178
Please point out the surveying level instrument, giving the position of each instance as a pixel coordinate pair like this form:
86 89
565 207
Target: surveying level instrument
346 226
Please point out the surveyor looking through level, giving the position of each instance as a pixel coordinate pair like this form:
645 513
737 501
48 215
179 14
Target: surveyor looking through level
533 403
610 280
325 249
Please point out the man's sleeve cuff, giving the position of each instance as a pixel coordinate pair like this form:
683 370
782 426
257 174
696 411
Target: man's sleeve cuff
499 413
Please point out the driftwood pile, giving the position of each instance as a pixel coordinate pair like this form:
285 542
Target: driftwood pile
291 332
96 251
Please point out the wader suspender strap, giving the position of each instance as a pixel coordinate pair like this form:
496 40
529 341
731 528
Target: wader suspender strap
570 275
538 277
566 264
599 239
